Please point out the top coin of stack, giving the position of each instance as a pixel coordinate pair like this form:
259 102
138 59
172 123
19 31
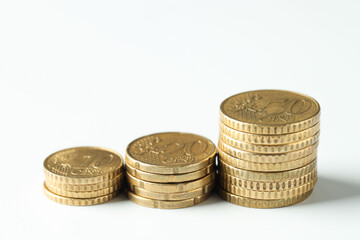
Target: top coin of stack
267 148
83 176
170 170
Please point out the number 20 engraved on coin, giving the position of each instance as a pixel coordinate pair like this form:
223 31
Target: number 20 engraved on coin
170 153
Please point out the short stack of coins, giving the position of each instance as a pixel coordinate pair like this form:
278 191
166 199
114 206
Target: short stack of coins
170 170
268 148
83 176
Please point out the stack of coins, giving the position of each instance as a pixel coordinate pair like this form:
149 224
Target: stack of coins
83 176
267 148
170 170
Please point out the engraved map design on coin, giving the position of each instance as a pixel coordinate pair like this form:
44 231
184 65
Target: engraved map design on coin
83 162
270 107
171 149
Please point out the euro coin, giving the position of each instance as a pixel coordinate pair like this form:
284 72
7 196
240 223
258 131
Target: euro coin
266 176
78 201
163 204
170 187
269 149
172 195
266 167
275 194
267 158
261 203
170 178
170 153
270 112
82 194
269 139
268 185
83 165
85 187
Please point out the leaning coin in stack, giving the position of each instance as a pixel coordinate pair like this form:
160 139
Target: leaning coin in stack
170 170
83 176
268 148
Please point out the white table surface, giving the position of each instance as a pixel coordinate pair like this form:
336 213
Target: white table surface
102 73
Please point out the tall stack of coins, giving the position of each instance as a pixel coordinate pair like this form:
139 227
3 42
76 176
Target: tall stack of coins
83 176
170 170
267 148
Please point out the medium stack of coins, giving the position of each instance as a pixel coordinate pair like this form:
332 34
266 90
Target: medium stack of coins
83 176
170 170
267 148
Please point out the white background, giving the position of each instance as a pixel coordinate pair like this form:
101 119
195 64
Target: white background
103 73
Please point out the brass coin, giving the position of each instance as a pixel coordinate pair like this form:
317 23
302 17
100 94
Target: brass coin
269 139
170 178
267 158
170 153
269 149
87 194
163 204
269 112
85 187
170 187
78 201
266 167
172 196
267 195
266 176
261 203
268 186
83 165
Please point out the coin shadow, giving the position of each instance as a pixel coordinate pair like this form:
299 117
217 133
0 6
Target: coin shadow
213 199
121 197
330 189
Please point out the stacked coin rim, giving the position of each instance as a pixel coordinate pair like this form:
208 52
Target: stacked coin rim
169 187
83 191
267 166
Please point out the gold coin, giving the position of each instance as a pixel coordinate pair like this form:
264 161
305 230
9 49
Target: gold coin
163 204
269 112
269 149
170 178
87 194
261 203
78 201
86 187
266 167
266 176
172 196
269 139
170 153
289 193
83 165
170 187
267 158
268 186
